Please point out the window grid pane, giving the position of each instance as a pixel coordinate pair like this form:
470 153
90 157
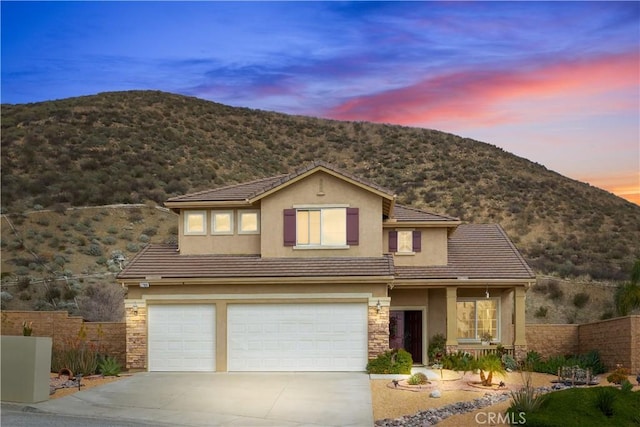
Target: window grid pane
405 241
334 227
466 320
195 223
248 222
222 222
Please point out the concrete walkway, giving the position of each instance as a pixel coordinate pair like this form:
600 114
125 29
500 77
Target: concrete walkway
227 399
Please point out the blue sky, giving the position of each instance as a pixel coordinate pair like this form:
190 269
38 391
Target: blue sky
557 83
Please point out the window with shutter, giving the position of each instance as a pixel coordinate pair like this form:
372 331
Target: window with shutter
417 241
289 227
393 241
353 225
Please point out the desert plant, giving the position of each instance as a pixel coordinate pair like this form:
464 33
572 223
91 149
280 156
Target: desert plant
526 399
27 328
102 303
391 362
109 366
77 355
509 362
619 375
580 299
604 400
417 379
626 386
541 312
492 365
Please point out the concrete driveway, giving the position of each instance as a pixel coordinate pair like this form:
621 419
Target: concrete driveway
227 399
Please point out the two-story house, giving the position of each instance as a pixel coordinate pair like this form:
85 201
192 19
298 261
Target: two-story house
317 270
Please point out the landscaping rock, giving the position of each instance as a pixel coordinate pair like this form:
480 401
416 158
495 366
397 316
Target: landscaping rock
435 393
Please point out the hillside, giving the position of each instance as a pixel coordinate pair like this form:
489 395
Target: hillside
139 146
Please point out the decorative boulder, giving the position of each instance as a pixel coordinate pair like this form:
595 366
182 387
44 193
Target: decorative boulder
435 393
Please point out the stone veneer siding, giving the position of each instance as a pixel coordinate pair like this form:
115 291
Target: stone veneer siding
108 336
136 337
378 331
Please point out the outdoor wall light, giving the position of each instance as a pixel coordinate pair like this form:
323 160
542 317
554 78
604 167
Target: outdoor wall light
378 306
135 309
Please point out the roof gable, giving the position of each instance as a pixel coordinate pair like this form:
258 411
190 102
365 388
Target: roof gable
251 192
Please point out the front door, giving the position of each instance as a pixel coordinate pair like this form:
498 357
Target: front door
405 331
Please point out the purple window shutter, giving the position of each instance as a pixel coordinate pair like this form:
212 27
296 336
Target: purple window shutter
417 241
353 225
289 227
393 241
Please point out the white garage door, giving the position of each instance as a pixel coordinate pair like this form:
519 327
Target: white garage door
182 337
297 337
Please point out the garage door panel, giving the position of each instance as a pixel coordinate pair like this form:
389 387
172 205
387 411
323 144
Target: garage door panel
181 337
304 337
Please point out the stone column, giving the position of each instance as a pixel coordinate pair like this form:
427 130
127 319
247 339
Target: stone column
452 319
136 325
378 317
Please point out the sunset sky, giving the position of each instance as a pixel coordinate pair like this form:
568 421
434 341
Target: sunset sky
557 83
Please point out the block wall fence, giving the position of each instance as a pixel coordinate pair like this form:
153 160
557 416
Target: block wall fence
617 340
110 336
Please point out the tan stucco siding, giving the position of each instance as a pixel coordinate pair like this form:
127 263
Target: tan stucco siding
437 312
322 189
213 291
232 244
433 249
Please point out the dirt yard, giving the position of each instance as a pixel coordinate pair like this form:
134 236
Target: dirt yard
389 402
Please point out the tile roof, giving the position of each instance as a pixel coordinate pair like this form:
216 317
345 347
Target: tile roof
411 214
165 261
476 251
252 189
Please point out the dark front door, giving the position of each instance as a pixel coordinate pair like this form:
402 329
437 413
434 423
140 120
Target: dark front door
413 334
405 331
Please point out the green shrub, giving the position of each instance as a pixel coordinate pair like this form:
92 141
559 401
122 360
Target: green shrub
437 345
109 366
581 299
541 312
417 379
458 361
604 400
391 362
626 386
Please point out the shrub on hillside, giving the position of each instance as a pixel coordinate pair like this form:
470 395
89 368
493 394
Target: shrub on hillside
580 299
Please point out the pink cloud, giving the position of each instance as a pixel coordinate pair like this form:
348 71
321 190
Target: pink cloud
476 95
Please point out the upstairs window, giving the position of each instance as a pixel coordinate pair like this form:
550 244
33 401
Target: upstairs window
195 222
405 241
222 222
248 222
328 227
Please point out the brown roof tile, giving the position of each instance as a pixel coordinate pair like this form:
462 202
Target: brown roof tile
255 188
165 261
476 251
411 214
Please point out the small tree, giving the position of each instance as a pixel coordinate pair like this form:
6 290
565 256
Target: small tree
627 296
492 364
